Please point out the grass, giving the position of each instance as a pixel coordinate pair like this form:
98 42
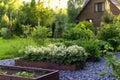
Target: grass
9 48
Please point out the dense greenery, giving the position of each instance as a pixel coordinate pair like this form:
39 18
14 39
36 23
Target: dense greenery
74 8
23 24
92 46
111 33
54 54
82 30
115 63
40 34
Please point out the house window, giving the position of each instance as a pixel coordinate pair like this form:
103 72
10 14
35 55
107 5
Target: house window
99 7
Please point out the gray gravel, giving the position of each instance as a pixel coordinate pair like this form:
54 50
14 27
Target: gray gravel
7 62
90 72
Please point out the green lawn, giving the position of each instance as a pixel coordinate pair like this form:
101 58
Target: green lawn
9 48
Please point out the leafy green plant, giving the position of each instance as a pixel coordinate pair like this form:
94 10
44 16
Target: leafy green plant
107 18
111 34
5 21
56 54
5 33
80 31
115 63
103 73
69 43
90 46
87 25
40 34
3 72
25 74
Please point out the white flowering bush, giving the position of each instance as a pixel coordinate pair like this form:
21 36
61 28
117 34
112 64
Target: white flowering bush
54 54
75 54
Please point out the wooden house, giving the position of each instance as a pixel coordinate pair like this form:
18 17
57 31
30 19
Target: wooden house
93 10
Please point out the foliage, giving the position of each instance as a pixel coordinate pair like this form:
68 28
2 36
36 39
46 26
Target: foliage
104 47
91 47
25 74
3 72
17 28
115 63
78 32
54 54
69 43
60 24
74 7
103 73
111 34
5 33
107 18
118 1
40 34
4 22
26 30
86 25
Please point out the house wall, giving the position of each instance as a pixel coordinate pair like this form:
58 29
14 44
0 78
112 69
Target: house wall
89 13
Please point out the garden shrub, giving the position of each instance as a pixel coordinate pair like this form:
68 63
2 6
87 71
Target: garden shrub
40 34
5 23
17 28
86 25
78 32
69 43
103 45
111 34
118 48
107 18
91 46
5 33
115 63
54 54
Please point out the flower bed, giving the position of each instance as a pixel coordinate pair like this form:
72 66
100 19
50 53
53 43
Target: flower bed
73 56
27 73
47 65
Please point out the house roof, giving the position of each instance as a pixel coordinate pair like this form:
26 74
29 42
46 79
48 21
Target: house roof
85 3
115 2
83 7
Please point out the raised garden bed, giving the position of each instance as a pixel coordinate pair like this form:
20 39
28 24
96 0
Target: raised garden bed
46 65
13 72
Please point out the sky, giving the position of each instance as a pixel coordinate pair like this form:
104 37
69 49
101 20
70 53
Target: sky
55 3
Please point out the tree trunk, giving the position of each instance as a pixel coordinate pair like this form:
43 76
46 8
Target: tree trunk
11 28
38 22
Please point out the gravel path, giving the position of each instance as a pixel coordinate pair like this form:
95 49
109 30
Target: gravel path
90 72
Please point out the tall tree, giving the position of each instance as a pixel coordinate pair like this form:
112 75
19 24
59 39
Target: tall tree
13 8
33 3
74 7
